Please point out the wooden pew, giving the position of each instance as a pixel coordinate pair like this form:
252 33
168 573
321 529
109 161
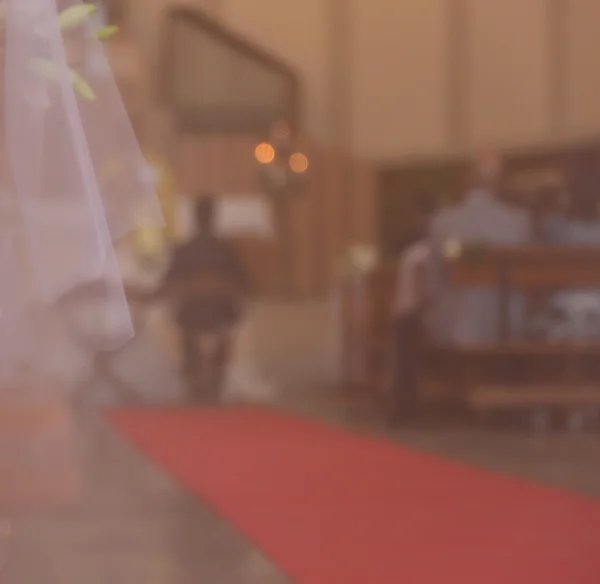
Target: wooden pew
463 374
552 373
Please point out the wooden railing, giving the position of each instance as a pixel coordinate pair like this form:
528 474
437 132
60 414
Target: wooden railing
217 82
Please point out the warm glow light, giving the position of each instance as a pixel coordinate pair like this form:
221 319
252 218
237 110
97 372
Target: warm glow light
264 153
298 163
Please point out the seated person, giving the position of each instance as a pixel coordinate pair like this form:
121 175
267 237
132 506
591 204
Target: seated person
469 316
208 283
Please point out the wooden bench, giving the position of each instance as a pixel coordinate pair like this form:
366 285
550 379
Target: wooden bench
492 397
545 374
575 408
464 374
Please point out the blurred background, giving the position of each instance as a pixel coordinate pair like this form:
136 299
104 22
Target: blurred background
384 101
318 128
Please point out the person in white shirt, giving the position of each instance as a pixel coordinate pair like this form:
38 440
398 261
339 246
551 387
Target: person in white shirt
408 308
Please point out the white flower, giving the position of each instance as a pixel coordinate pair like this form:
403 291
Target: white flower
362 257
452 249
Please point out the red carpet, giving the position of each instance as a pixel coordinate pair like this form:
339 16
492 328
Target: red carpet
331 507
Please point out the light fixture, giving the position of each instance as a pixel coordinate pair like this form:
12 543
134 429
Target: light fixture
298 163
264 153
282 167
283 171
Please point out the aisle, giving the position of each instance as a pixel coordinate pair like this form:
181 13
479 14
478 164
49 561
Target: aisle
331 506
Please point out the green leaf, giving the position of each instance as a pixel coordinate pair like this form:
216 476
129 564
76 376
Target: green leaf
82 87
107 32
73 16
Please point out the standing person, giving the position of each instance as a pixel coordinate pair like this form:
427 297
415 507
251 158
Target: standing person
408 310
214 283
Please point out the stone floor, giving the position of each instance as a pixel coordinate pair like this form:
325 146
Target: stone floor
123 521
113 516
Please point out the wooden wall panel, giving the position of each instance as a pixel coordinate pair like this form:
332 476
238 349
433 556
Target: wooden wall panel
332 202
217 164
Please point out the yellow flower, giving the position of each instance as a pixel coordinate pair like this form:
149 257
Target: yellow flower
75 15
82 87
107 32
46 68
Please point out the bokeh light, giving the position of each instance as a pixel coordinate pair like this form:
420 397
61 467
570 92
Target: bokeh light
298 163
264 153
